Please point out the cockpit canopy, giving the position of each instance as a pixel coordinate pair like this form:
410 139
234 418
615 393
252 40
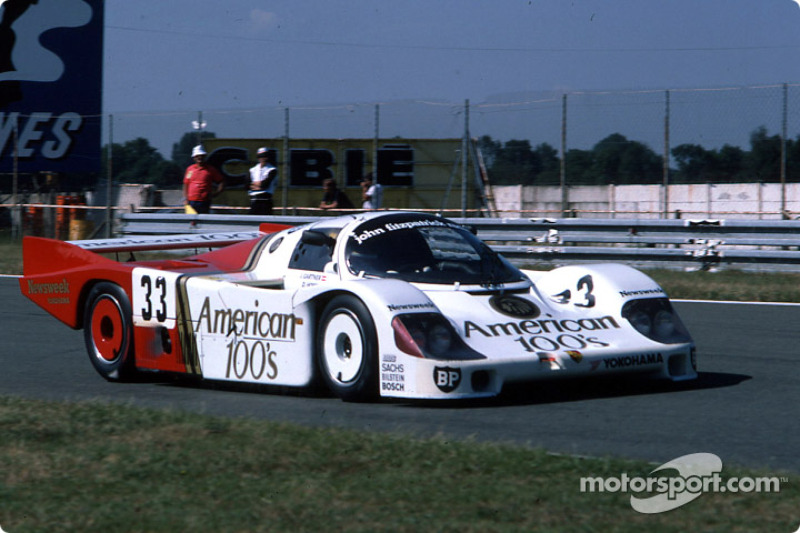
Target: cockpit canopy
424 249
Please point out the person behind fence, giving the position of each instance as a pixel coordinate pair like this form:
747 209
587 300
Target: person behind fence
334 198
371 193
201 183
263 178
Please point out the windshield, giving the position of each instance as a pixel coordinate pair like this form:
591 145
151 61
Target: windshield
425 250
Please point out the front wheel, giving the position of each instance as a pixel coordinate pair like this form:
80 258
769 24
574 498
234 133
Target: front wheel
108 332
347 348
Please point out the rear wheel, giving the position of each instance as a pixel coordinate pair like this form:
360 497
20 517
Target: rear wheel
108 332
347 348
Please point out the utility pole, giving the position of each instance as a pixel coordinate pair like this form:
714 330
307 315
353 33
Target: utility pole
464 160
110 180
563 173
16 214
783 150
285 162
666 157
376 143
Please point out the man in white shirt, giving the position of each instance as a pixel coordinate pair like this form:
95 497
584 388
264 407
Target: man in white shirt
263 178
371 193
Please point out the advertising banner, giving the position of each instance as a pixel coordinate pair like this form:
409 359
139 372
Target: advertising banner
414 173
51 73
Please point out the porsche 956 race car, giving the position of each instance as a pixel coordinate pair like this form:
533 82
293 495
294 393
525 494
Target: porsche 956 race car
399 304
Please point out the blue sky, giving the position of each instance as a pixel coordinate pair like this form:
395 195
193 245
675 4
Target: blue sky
243 54
185 54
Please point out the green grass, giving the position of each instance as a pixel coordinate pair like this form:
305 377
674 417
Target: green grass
729 285
100 467
10 253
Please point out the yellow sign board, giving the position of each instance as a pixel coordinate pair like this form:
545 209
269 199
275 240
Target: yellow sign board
421 174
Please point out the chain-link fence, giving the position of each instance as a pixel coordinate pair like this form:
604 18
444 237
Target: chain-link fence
710 118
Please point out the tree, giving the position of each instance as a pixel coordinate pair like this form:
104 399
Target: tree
549 164
793 160
516 162
620 161
695 163
698 165
764 160
489 149
579 167
136 161
730 164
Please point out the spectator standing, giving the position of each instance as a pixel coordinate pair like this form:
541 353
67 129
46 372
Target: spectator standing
201 182
263 178
371 193
334 198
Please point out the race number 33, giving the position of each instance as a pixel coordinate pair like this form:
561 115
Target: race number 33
153 297
161 297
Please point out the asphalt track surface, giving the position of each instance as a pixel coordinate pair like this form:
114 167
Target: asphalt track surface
745 406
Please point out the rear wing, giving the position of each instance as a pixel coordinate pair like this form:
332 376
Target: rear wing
166 242
176 242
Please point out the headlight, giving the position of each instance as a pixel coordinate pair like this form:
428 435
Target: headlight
440 340
663 324
430 336
655 319
641 321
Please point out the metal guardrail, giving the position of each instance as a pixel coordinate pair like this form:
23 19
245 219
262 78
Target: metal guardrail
701 244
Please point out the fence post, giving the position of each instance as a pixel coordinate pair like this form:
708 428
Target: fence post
666 156
783 150
464 160
110 180
612 199
563 173
16 211
376 143
285 161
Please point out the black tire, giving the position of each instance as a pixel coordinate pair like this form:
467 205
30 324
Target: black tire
347 349
108 332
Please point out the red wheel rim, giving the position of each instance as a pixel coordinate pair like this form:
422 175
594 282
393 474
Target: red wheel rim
108 333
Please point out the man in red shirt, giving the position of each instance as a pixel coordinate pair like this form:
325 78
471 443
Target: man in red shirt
201 182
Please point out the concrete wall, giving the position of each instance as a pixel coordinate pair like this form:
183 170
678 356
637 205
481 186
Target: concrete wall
730 200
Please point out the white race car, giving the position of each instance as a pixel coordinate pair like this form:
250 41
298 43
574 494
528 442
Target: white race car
398 304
